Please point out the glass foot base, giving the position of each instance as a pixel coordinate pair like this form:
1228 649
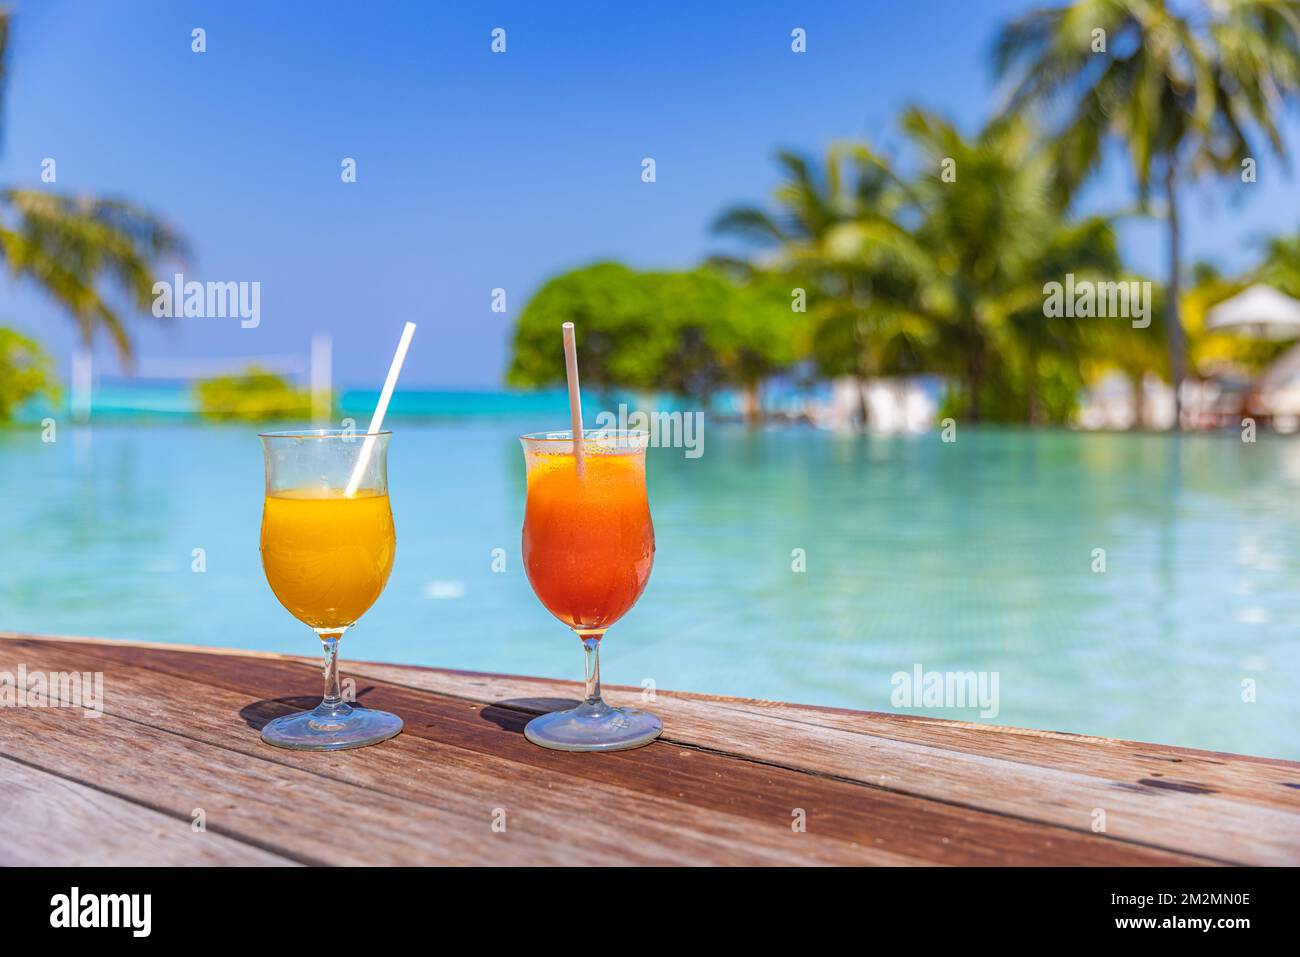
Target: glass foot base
331 729
594 728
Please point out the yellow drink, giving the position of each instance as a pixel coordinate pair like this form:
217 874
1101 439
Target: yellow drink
327 557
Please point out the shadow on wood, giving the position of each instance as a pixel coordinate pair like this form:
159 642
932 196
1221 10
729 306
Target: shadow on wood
259 714
511 714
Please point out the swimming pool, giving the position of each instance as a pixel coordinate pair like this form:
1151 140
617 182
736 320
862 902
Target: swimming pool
1138 586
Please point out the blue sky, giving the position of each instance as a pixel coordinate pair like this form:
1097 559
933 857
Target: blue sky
478 170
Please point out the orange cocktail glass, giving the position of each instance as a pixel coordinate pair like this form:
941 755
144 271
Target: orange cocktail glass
588 546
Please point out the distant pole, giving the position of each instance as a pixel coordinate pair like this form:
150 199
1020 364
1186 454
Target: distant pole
321 375
82 383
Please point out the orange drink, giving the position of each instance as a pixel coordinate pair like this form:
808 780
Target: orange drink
588 546
326 556
588 543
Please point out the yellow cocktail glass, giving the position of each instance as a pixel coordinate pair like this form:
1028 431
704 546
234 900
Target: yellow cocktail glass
327 556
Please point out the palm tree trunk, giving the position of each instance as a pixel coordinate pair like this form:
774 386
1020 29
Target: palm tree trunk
1138 382
862 377
974 379
1032 410
863 412
1173 323
751 405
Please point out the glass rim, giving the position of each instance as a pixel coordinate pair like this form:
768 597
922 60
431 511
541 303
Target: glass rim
566 435
323 434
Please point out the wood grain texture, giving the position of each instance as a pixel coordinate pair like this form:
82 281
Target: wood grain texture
52 819
181 731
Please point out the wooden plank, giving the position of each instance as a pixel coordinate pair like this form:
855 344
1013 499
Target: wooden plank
1215 806
855 824
51 820
392 805
1264 781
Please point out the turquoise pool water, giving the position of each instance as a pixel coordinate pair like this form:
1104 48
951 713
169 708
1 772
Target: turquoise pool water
972 556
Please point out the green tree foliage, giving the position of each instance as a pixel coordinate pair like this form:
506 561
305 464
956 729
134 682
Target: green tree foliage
811 239
748 325
613 312
685 332
254 395
989 234
1114 345
1183 86
25 372
955 258
1281 264
939 268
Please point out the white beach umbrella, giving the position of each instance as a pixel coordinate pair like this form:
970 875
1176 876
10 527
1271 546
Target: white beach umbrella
1260 312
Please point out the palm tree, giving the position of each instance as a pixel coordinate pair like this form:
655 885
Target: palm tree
979 249
1184 88
1281 264
925 274
810 238
86 253
1054 353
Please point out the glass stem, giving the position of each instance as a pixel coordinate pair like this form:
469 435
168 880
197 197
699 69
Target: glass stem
333 699
591 646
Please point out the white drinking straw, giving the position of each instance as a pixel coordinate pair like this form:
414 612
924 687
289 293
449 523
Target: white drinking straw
377 420
575 394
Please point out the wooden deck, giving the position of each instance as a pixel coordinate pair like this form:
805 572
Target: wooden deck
179 741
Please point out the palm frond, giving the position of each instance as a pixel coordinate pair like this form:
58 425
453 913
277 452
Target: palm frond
81 250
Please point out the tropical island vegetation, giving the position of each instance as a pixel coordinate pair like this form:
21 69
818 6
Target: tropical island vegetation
931 258
25 372
253 395
936 258
95 257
